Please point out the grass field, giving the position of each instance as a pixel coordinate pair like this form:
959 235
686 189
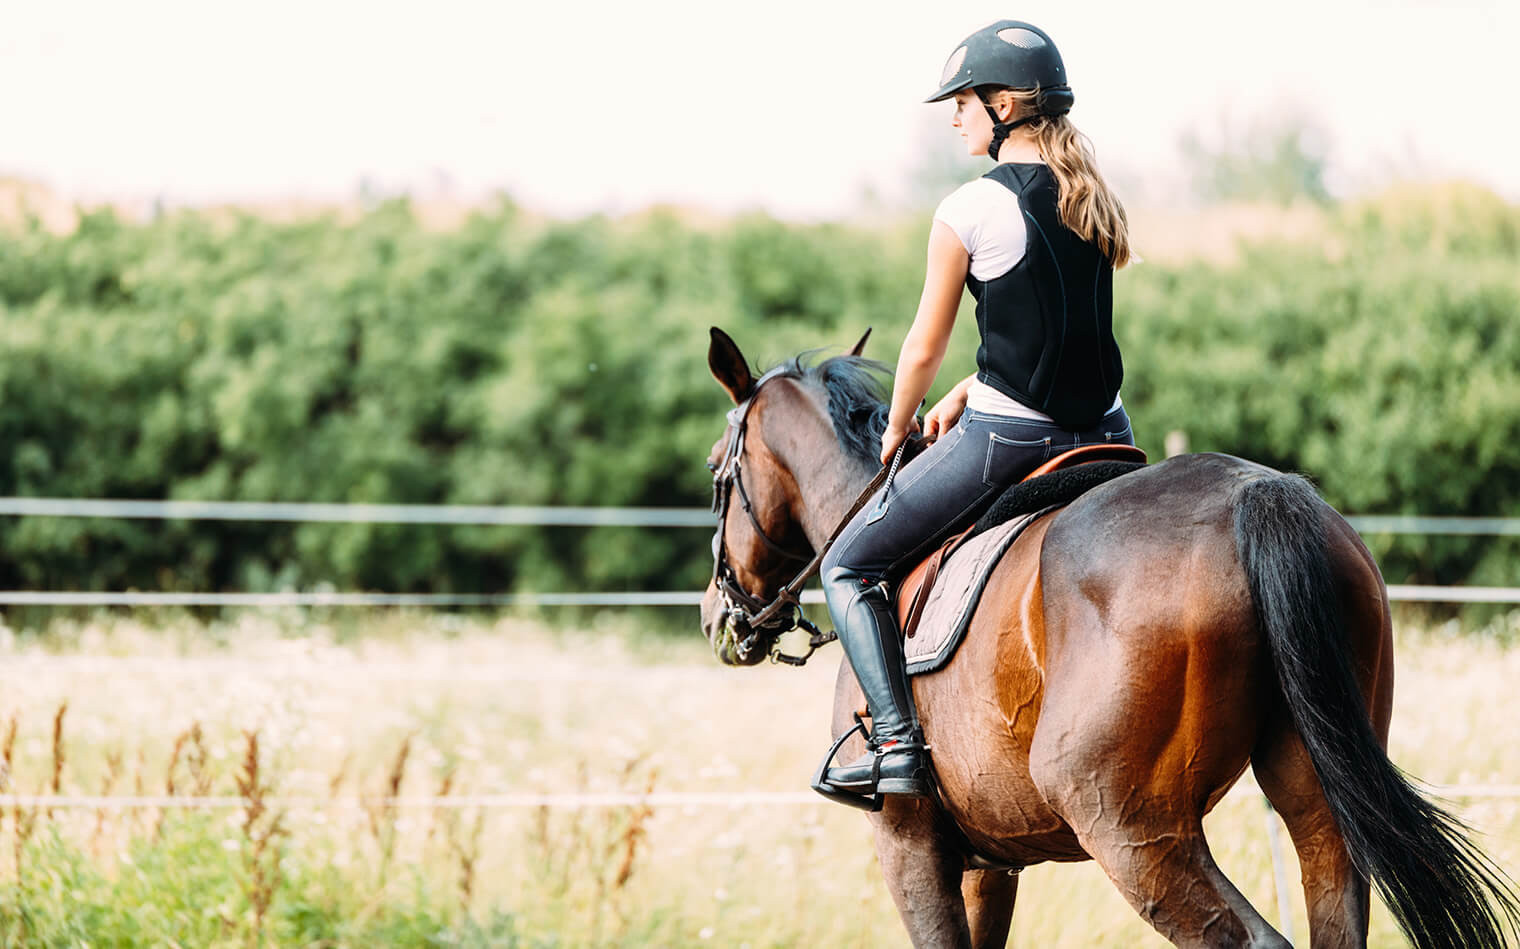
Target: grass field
317 720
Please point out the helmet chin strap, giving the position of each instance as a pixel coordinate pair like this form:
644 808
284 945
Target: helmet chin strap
1001 129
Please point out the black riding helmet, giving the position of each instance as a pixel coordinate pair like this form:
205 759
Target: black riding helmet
1008 53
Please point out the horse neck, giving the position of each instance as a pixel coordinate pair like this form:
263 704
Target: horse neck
828 480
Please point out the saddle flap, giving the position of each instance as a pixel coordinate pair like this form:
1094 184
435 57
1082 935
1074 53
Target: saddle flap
913 591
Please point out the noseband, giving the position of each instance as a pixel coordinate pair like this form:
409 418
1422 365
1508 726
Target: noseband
750 615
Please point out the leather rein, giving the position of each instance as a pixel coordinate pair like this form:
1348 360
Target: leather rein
748 615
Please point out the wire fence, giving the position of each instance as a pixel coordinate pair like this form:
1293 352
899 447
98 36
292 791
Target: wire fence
562 517
1396 593
134 598
486 515
526 515
534 516
568 801
565 801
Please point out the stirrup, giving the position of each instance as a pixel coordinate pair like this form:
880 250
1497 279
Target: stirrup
873 800
867 802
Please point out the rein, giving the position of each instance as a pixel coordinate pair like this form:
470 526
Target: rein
782 613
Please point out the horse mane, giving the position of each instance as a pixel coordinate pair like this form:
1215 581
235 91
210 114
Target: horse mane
857 391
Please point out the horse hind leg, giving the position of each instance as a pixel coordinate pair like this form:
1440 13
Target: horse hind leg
1168 875
1143 826
1336 894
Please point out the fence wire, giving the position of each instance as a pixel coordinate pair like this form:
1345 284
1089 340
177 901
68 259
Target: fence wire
1396 593
527 515
567 801
519 515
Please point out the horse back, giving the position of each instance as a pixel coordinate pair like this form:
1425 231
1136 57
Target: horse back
1148 560
1147 567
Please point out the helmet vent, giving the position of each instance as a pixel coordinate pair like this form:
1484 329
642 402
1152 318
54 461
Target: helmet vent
953 65
1023 39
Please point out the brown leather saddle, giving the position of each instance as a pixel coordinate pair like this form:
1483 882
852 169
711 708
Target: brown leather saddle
913 591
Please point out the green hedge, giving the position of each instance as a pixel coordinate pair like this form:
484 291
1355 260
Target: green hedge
521 361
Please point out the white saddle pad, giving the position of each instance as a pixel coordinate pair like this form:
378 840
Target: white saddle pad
954 596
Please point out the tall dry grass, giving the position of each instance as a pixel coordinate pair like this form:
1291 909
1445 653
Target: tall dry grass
349 724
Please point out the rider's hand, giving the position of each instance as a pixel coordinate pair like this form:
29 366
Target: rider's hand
946 411
895 436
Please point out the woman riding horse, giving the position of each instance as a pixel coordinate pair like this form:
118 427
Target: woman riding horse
1036 241
1133 653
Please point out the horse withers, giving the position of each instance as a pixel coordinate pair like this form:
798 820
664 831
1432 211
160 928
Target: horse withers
1132 654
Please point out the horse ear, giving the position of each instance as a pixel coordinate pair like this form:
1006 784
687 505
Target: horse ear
728 366
859 347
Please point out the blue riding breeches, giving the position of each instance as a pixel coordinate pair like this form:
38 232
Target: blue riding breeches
942 491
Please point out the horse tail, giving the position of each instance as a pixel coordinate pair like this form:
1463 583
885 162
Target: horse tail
1442 890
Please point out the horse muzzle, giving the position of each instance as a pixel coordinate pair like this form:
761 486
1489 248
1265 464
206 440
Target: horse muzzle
736 644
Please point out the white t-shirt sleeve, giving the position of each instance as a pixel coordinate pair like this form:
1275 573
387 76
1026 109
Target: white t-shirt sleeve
989 221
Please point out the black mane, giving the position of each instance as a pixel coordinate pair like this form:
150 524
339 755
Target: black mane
858 392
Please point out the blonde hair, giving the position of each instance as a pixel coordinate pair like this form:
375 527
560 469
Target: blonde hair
1088 206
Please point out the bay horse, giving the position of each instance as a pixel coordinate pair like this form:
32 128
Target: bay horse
1132 654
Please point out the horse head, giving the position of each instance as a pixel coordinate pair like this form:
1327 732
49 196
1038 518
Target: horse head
761 541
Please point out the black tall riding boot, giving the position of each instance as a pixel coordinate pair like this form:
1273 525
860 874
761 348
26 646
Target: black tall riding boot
895 762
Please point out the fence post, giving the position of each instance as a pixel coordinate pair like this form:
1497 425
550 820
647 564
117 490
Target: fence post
1279 873
1176 443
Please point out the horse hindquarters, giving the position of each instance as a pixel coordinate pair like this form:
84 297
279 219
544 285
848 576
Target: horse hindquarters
1142 822
1155 687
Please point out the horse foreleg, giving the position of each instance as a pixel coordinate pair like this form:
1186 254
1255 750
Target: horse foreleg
923 869
989 896
923 872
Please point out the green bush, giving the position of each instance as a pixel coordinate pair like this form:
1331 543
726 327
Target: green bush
521 361
1388 371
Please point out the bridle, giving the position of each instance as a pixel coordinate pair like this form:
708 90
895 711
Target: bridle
746 616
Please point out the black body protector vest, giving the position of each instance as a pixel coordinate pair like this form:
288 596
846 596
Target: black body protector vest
1047 324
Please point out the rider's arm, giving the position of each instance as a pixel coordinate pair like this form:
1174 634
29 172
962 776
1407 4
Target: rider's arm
941 418
961 388
924 348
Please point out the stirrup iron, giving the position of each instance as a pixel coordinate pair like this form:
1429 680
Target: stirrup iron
867 802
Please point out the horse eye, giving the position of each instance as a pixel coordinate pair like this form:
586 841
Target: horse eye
712 466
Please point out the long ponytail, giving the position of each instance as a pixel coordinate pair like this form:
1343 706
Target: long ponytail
1087 204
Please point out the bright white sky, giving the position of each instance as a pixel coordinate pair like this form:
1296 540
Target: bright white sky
792 105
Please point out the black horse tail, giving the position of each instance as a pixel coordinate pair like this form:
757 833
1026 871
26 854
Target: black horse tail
1442 890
